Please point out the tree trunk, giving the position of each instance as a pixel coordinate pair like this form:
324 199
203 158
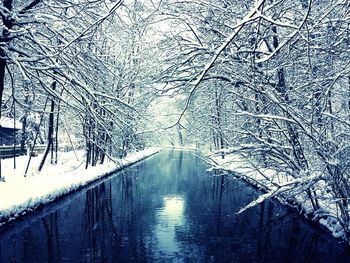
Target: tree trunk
179 132
218 124
2 76
298 151
50 131
14 128
7 26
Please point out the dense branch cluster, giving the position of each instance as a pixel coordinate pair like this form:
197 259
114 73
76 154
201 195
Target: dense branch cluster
73 71
270 81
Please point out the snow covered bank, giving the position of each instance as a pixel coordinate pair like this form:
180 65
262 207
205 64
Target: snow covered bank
20 195
283 187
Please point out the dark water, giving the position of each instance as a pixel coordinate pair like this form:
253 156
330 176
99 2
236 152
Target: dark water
166 209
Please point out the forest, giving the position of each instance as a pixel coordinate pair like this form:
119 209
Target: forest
259 87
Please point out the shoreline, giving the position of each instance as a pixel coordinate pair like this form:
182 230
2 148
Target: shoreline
52 187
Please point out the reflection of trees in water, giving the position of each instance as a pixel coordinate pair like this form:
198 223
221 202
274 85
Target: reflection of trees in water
115 221
218 182
257 235
38 244
50 224
28 247
263 241
97 224
180 162
132 208
285 237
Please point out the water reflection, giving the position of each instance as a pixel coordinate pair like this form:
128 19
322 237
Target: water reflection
169 217
166 209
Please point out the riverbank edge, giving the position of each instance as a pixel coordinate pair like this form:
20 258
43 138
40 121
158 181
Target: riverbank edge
24 211
324 224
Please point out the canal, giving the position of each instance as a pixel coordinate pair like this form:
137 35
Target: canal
167 209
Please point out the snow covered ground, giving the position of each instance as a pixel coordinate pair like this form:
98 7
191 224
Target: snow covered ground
9 123
273 183
19 194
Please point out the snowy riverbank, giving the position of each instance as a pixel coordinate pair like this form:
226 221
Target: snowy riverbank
20 195
281 186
